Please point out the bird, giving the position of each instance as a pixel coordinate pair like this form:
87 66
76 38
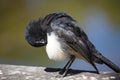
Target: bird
65 40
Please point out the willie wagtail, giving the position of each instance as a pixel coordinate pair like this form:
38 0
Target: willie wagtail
64 40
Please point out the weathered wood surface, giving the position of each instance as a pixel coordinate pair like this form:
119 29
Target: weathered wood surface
17 72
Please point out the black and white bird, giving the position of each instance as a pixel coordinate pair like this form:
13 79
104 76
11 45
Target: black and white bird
65 40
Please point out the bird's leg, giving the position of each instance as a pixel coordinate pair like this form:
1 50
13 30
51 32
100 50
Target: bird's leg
97 71
67 66
64 68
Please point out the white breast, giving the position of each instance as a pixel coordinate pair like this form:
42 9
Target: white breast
54 49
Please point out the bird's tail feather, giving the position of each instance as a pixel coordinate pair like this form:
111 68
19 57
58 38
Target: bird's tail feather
108 62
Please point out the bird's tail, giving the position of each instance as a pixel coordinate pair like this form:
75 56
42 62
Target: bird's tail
108 62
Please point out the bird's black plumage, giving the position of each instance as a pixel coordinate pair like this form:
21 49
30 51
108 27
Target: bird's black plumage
71 36
35 35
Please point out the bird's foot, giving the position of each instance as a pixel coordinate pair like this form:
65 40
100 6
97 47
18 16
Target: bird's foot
62 71
60 76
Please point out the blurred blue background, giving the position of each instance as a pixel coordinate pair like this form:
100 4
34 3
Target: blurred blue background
100 19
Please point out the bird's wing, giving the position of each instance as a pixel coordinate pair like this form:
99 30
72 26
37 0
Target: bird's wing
76 39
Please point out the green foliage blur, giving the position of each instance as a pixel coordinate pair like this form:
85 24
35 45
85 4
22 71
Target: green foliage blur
15 15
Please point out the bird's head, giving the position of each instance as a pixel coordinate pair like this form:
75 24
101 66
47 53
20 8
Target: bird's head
36 31
34 35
